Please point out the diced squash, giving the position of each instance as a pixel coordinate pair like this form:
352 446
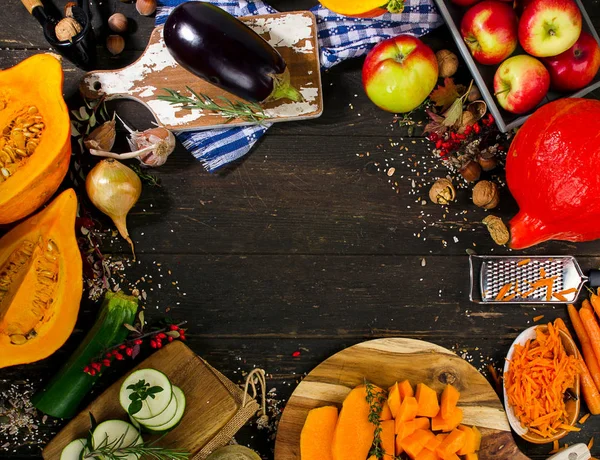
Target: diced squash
469 446
439 424
441 436
405 389
427 455
404 429
399 448
317 433
427 401
452 444
423 436
473 456
394 400
354 433
411 445
477 434
386 413
433 443
408 409
451 457
421 423
387 439
450 397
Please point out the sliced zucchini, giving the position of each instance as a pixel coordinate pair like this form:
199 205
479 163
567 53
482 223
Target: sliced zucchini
178 394
73 450
116 434
164 417
151 407
235 452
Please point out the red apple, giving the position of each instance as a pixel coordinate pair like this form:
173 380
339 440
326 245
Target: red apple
521 82
549 27
399 73
490 31
576 67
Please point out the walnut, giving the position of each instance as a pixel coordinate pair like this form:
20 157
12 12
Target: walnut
486 194
474 94
447 63
497 229
67 29
442 191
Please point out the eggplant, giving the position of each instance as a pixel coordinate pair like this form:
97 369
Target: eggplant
217 47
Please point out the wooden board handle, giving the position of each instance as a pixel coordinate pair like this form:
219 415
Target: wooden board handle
575 452
31 4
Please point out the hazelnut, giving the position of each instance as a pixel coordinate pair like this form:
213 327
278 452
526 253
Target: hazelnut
442 191
487 161
497 229
486 194
145 7
115 44
67 29
471 171
474 94
447 63
118 23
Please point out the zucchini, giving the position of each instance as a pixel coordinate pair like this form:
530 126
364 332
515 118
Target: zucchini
152 406
117 434
63 394
178 394
73 450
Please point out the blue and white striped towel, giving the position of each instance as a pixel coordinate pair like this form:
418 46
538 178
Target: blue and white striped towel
340 38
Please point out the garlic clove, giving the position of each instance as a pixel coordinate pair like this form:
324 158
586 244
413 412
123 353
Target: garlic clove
103 137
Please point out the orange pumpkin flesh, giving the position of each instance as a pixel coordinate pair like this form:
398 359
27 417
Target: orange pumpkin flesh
356 8
31 94
40 283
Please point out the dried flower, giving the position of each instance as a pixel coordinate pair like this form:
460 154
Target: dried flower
471 171
486 194
442 192
497 229
103 137
447 63
66 29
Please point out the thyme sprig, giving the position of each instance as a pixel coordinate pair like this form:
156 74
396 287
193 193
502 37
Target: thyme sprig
247 111
376 400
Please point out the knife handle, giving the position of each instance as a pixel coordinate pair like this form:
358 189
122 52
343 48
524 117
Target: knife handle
31 4
575 452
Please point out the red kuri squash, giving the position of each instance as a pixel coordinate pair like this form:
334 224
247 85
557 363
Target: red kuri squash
552 171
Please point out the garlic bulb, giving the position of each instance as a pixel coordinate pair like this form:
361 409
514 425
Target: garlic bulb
152 147
114 189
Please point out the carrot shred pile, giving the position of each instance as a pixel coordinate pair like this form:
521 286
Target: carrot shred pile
540 372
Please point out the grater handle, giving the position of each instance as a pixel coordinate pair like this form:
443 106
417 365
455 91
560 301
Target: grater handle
594 278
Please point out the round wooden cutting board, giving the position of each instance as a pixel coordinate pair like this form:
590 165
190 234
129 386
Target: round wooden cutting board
383 362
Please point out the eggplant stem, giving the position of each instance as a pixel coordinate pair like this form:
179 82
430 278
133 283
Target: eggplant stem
123 156
283 89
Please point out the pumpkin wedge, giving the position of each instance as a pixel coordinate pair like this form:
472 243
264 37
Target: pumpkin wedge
40 283
363 8
35 144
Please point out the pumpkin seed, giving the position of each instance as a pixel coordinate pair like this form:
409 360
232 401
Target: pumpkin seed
22 153
32 110
5 172
18 339
39 125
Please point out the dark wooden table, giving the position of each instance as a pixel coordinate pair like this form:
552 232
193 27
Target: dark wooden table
307 245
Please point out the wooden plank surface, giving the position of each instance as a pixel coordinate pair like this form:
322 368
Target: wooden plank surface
303 248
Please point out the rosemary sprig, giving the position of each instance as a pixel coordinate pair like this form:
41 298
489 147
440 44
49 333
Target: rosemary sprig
247 111
375 399
114 450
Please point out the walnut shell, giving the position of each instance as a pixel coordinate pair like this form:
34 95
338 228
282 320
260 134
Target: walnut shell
497 229
486 194
447 63
442 192
66 29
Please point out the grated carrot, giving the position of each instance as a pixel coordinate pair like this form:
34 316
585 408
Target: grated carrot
539 373
590 443
504 290
542 273
583 419
537 318
523 262
555 447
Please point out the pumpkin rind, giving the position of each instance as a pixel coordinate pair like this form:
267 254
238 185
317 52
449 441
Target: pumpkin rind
551 170
39 175
356 8
40 283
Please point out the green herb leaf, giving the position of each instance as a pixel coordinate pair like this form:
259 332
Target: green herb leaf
135 407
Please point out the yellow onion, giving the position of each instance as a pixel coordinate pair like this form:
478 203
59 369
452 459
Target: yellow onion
114 189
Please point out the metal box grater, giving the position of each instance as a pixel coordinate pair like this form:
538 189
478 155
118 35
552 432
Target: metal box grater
489 274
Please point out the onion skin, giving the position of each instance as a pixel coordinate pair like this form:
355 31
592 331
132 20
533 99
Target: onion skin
114 189
217 47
